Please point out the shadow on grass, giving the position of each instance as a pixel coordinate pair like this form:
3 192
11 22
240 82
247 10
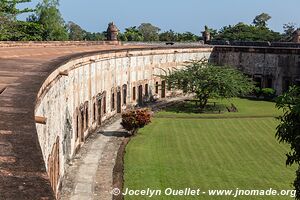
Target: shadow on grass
253 98
191 107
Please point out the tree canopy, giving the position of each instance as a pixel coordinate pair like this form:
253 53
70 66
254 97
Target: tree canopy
206 81
261 20
132 34
178 37
95 36
48 15
288 131
289 29
188 37
245 32
168 36
11 28
47 23
149 32
75 31
8 8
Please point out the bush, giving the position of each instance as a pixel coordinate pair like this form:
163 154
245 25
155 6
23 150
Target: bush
257 92
268 93
132 120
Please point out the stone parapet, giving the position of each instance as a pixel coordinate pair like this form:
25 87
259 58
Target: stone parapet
56 43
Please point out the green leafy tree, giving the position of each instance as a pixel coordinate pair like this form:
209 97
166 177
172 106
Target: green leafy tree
76 33
178 37
132 34
11 28
289 29
288 131
168 36
149 32
95 36
27 31
187 37
261 20
244 32
8 8
5 27
209 81
48 15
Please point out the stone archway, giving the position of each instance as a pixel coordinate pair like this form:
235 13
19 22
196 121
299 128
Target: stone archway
100 107
99 99
82 122
124 87
119 101
53 166
112 100
163 89
140 95
104 103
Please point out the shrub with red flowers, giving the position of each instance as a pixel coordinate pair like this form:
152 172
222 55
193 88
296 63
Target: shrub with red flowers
132 120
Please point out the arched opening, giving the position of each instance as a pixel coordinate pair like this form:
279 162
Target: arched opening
133 94
163 89
77 125
112 101
94 112
99 100
86 117
124 94
104 102
81 123
119 108
258 80
140 97
53 166
101 106
156 88
146 90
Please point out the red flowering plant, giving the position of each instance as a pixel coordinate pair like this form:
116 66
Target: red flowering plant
132 120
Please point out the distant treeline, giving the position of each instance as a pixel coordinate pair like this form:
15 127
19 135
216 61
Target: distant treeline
45 23
252 43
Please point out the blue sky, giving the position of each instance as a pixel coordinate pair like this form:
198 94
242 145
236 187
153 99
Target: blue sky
178 15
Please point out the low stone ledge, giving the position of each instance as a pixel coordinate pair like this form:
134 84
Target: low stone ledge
55 43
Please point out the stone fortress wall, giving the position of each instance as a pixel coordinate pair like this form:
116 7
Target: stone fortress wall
271 67
82 93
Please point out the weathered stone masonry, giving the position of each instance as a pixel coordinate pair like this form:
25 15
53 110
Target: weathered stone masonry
79 95
76 93
271 67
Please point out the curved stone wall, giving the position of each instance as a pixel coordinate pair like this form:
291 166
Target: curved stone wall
75 93
83 92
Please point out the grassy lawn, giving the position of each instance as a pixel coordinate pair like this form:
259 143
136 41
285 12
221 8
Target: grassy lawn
188 150
246 108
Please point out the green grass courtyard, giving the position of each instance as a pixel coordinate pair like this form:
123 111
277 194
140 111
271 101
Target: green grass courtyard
209 151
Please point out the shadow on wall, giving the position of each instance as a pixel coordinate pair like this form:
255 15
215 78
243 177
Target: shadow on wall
268 67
